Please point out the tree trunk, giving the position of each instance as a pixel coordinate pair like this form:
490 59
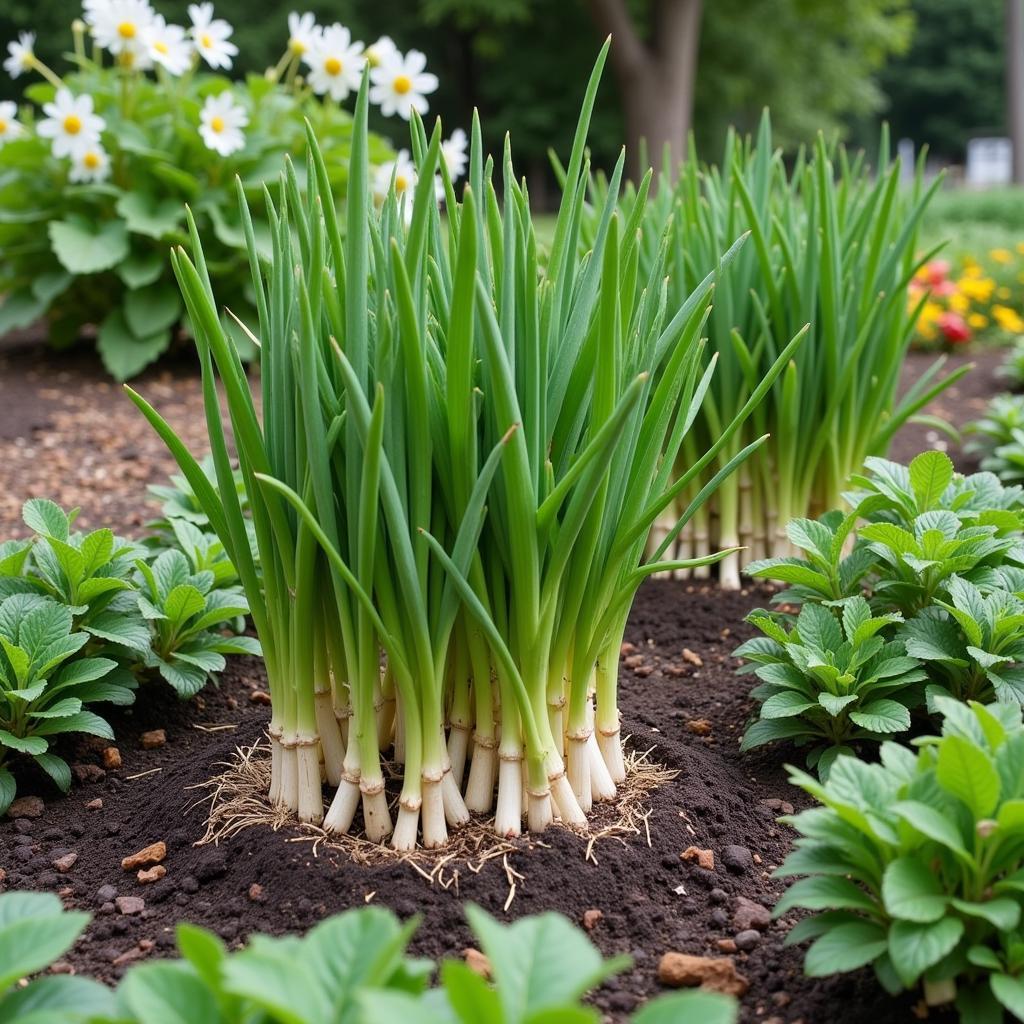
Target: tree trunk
656 78
1015 84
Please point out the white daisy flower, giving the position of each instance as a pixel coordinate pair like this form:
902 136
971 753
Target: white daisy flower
335 63
10 127
121 25
303 32
22 54
91 165
400 84
168 46
221 122
211 36
71 123
454 152
405 177
380 51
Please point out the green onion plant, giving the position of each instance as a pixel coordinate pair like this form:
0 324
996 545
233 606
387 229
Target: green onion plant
461 452
833 248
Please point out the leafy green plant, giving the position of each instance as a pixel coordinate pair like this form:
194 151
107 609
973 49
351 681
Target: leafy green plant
44 686
916 865
830 682
998 437
178 500
94 187
184 610
35 930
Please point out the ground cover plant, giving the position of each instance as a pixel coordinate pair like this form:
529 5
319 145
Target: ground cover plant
832 250
998 437
912 594
915 865
98 164
84 617
351 967
467 386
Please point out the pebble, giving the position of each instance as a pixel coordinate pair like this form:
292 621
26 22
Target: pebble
88 772
256 893
94 805
152 854
477 962
259 697
106 894
748 939
591 919
23 825
692 658
719 917
747 915
129 905
726 945
718 896
153 874
111 758
26 807
738 859
153 739
717 974
66 863
705 858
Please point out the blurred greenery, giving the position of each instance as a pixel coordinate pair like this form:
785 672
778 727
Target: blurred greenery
524 62
948 86
971 223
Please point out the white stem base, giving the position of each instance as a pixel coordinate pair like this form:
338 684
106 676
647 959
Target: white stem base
456 812
564 800
376 816
508 816
343 807
310 796
331 743
435 830
289 795
539 812
602 787
276 766
482 769
406 827
611 750
729 567
578 771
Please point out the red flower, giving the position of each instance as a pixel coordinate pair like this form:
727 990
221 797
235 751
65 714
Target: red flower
936 272
954 327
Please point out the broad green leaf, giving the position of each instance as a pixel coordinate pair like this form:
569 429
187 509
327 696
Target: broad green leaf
124 353
1010 993
149 311
33 933
88 249
914 947
470 996
1002 912
845 948
8 789
58 1000
183 602
688 1008
151 216
23 744
882 715
57 768
825 893
912 892
931 823
45 517
968 773
931 473
168 992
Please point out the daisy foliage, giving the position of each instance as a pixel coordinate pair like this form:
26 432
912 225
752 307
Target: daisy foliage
101 162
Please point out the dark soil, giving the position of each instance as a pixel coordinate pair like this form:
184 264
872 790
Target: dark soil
66 432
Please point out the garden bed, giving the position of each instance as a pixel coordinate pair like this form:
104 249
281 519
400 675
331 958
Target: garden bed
70 435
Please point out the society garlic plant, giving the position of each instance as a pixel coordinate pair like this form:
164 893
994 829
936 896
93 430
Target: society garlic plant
460 456
832 248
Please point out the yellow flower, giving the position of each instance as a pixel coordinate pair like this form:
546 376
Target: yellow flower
927 331
930 312
1001 255
959 303
1020 248
1009 319
978 289
972 268
977 321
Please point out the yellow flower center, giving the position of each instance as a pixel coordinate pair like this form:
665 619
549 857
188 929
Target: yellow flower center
3 126
297 46
372 59
72 124
91 160
206 40
217 123
402 84
126 30
332 66
401 183
160 46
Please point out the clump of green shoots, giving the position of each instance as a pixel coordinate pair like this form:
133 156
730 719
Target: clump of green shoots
832 248
460 456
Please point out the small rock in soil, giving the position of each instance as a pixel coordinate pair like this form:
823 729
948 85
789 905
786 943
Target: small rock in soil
66 863
591 919
94 805
129 905
61 967
699 726
152 854
153 739
153 874
726 945
477 962
106 894
256 893
705 858
748 940
738 859
692 657
88 772
719 917
716 974
23 825
259 697
26 807
111 758
747 915
189 885
718 896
